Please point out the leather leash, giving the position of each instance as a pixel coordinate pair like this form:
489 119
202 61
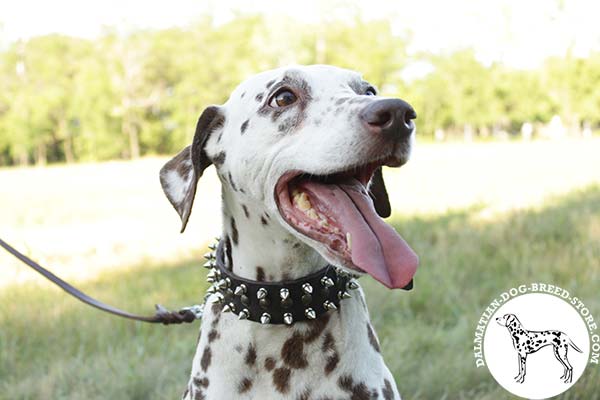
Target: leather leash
162 315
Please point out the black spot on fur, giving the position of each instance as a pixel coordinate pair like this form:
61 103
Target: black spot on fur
219 159
270 83
243 94
259 97
250 358
201 382
269 364
358 391
281 379
263 220
206 358
305 395
234 232
329 348
231 182
373 338
228 254
388 392
286 125
244 126
213 335
245 385
260 274
292 352
246 212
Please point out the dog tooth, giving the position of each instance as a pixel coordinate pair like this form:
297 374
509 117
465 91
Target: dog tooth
349 240
311 213
302 201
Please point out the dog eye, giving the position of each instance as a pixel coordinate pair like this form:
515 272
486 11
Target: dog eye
370 91
283 98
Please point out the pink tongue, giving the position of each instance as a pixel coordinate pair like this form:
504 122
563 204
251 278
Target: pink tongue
376 247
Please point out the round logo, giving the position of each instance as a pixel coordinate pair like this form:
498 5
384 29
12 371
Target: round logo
536 345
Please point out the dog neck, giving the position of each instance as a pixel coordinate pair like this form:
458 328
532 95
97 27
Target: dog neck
259 248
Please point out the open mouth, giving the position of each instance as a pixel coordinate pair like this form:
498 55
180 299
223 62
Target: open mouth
337 211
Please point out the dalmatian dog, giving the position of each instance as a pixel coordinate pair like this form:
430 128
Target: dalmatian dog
528 342
299 152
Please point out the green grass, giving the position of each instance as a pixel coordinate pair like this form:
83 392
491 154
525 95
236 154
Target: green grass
52 347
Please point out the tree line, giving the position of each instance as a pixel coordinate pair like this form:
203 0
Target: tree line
67 99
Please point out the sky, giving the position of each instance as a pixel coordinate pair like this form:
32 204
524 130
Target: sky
519 33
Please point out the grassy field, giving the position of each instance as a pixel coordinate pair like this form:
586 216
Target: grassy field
483 218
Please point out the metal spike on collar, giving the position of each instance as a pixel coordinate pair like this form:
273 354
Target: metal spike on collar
222 284
209 264
212 246
218 298
329 305
326 281
212 275
244 314
344 295
307 288
261 293
341 274
352 284
209 256
218 238
288 319
211 290
265 318
229 307
240 290
310 313
284 294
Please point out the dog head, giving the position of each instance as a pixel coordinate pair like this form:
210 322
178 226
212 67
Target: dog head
308 143
508 320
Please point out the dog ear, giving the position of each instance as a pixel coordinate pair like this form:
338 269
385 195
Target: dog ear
379 194
179 177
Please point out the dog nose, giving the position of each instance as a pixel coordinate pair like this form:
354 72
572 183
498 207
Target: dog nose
390 117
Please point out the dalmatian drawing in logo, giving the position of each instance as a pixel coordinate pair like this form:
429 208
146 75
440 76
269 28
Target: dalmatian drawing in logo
528 342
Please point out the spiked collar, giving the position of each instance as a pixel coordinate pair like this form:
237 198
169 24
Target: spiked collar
283 302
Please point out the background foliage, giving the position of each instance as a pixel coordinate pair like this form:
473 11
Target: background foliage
123 96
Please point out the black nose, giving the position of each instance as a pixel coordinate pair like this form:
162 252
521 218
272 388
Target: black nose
389 117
